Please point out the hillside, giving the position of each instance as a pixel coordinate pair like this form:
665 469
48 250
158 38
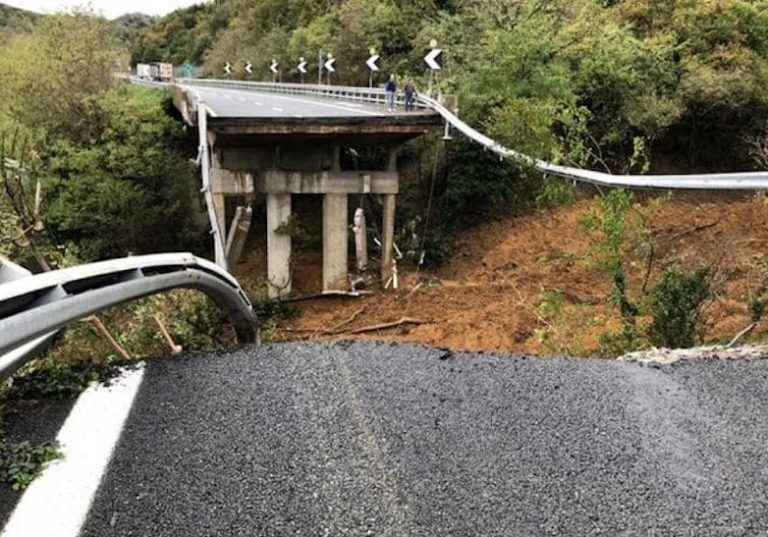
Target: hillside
630 86
530 284
129 24
14 20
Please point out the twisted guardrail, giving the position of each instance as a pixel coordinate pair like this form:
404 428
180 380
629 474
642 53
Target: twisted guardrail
33 308
716 181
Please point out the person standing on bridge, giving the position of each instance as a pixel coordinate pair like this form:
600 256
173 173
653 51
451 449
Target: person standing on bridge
410 95
391 90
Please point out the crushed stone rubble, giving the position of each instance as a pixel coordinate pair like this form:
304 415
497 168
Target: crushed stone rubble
671 356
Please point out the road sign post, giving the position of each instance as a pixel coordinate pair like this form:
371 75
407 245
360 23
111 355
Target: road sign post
228 68
275 68
372 66
320 67
249 68
302 67
330 66
434 60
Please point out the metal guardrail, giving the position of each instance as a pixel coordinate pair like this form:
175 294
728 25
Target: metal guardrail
717 181
10 272
35 307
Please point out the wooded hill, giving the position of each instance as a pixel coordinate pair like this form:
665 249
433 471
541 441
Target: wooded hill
600 83
13 20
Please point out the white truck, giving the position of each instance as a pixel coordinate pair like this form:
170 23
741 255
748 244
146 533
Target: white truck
157 71
144 71
164 72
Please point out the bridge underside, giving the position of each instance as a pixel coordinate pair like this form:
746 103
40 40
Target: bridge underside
282 157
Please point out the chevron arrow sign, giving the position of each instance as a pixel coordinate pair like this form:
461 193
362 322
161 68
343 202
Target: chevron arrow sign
371 63
434 59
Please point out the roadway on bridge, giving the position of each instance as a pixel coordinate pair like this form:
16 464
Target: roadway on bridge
376 439
250 104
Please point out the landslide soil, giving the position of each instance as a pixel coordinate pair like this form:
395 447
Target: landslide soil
492 293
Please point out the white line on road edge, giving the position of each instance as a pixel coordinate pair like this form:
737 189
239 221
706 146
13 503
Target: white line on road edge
57 502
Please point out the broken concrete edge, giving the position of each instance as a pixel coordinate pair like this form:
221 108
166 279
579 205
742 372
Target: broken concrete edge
662 356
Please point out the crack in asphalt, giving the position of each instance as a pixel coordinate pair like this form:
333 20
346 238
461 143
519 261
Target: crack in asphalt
359 439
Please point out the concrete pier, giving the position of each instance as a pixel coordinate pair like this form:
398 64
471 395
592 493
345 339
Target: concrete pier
335 244
279 156
388 237
278 245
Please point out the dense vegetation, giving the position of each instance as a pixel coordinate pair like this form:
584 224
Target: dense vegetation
13 21
109 158
620 84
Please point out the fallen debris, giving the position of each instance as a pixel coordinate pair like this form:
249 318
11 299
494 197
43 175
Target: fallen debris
671 356
386 326
348 321
175 349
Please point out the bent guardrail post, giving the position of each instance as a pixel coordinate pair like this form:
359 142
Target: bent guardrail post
37 306
219 235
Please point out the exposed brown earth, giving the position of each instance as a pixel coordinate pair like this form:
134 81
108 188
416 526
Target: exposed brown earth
489 295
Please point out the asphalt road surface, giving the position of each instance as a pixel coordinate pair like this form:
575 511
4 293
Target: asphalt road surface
374 439
249 104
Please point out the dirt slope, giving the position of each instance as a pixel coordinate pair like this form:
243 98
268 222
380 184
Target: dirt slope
489 295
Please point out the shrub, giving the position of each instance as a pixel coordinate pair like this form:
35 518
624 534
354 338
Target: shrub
21 462
675 304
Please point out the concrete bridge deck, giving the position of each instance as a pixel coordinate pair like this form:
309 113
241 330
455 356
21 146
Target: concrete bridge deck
279 140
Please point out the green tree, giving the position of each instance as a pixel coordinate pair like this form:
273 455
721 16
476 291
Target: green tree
53 77
129 191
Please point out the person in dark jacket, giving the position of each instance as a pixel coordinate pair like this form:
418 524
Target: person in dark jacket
410 95
391 90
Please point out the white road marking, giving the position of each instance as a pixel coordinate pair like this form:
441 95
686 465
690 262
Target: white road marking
329 105
257 104
354 108
276 109
56 504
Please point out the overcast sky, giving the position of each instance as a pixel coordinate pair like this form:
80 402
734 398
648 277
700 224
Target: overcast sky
108 8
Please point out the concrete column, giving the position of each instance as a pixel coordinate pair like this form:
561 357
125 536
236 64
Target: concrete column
392 159
388 237
238 233
361 240
335 243
336 159
278 245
